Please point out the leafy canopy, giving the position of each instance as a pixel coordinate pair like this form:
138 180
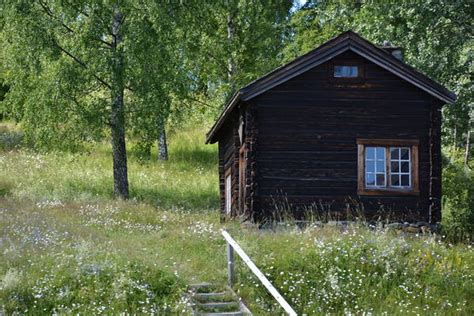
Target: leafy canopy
59 58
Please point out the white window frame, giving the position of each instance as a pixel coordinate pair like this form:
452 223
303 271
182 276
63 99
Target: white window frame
346 71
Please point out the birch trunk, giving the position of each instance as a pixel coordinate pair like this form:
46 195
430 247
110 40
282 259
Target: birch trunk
162 144
117 117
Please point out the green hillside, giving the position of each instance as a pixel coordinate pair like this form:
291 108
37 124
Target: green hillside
66 246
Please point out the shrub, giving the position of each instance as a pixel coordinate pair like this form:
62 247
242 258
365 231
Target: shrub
458 199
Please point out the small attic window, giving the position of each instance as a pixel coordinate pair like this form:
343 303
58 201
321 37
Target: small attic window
346 71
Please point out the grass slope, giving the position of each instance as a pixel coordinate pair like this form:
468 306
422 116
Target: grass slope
67 247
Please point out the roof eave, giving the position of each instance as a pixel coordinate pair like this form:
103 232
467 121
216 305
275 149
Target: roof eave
396 67
210 137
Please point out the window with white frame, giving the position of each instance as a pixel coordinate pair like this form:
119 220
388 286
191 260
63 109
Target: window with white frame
387 165
346 71
228 193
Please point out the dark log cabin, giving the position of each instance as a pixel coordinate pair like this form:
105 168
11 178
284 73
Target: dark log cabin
345 130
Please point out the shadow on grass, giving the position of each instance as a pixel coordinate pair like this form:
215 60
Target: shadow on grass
163 197
195 157
191 200
10 139
5 187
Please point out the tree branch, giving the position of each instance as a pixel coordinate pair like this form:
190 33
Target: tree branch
199 101
77 9
50 13
81 63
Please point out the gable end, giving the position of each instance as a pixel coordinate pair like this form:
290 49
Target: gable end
332 48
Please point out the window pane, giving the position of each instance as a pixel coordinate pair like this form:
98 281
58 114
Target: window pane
405 153
380 166
405 166
394 166
354 71
380 153
370 153
380 180
405 180
394 153
369 179
370 166
380 174
395 180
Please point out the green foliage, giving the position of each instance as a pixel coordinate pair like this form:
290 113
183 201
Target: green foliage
458 198
177 60
3 86
54 97
240 41
142 150
318 21
58 60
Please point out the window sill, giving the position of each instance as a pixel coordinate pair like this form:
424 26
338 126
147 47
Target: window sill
388 191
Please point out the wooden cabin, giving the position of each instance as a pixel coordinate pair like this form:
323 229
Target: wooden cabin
345 130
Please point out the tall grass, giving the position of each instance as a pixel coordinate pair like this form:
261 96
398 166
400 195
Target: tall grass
66 246
354 270
188 180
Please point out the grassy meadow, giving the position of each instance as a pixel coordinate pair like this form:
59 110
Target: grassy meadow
67 247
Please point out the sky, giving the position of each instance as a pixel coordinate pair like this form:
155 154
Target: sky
298 3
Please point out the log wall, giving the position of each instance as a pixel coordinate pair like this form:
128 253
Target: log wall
307 153
228 159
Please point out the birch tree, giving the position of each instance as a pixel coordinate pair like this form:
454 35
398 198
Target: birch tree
87 70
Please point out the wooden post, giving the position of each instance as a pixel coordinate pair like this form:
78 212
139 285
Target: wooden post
230 264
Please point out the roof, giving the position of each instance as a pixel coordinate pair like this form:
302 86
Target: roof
345 41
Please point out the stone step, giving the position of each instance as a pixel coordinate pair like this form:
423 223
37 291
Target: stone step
214 297
212 294
213 300
216 307
199 285
205 288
